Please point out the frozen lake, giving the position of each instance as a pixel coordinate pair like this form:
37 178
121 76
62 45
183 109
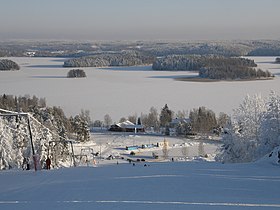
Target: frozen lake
123 91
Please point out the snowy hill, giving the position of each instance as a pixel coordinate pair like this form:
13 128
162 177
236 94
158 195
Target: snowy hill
271 158
173 185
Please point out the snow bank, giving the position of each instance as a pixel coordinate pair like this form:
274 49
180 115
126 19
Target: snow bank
271 158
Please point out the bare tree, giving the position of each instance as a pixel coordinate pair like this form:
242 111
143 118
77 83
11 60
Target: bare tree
165 149
132 118
151 120
107 120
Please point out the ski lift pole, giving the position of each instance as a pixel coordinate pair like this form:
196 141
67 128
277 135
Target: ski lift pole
73 155
31 142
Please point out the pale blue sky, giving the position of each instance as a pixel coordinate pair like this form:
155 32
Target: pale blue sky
139 19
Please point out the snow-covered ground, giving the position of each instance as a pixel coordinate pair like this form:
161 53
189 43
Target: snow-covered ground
125 91
114 145
158 186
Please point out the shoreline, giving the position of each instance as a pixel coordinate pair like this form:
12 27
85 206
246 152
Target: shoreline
200 79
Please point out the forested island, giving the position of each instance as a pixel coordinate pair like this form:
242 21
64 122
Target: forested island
123 58
8 65
76 73
212 67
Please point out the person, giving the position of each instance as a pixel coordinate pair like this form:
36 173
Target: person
48 163
25 164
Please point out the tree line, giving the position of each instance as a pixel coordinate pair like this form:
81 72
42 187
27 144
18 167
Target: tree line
197 120
123 58
50 128
52 117
196 62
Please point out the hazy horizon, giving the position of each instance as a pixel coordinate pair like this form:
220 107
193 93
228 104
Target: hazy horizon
140 20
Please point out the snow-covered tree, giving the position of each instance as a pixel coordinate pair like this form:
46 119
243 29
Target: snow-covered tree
151 120
270 128
107 120
81 128
242 139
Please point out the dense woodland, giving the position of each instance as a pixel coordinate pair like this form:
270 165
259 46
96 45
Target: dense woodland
125 58
8 65
229 72
196 62
212 67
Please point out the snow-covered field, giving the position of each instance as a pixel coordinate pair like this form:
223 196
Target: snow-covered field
159 186
114 145
125 91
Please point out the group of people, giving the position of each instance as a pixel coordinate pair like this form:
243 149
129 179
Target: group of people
26 164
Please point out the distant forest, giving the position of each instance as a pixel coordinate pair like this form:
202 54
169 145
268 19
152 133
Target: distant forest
126 58
8 65
153 48
212 67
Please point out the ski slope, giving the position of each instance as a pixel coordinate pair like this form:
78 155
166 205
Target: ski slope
158 186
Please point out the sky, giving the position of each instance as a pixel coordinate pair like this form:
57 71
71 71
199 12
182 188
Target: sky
139 19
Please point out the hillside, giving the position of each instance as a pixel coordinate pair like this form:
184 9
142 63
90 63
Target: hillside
159 186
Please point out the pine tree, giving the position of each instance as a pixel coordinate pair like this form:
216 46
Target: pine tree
165 116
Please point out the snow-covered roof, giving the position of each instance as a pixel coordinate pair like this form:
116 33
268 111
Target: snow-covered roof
128 124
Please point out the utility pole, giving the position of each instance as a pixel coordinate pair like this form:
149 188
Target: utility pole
35 159
30 134
73 155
